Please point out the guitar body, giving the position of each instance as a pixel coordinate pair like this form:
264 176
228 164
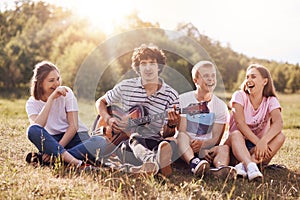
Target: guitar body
135 112
134 117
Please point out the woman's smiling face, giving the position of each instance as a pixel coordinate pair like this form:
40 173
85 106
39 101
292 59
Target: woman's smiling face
255 83
51 82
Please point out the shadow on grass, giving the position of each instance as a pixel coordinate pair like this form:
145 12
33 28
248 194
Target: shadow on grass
278 183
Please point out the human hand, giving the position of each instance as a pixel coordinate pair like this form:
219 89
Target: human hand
59 91
196 145
113 123
268 154
173 117
209 155
46 157
261 150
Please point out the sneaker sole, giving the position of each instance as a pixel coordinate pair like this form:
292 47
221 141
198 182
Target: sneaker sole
164 158
256 179
145 168
224 172
202 169
241 175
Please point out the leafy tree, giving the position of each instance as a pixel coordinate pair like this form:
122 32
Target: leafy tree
240 79
279 79
293 83
35 31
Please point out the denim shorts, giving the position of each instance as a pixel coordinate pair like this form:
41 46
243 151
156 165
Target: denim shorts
249 144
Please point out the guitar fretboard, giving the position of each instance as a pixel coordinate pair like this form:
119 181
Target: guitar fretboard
160 116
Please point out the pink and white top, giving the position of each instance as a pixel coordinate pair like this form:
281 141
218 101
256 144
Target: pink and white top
258 120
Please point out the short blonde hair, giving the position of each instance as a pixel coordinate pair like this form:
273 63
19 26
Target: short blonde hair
199 65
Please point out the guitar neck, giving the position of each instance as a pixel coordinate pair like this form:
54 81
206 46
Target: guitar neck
191 109
155 117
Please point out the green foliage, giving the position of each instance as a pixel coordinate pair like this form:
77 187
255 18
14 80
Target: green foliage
36 31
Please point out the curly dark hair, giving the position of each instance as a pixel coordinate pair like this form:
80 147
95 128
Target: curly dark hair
145 52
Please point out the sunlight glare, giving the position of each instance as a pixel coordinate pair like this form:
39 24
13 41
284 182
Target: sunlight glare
105 15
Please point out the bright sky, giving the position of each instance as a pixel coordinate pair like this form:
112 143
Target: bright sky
268 29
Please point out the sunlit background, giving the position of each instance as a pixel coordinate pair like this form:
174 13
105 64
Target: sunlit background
266 29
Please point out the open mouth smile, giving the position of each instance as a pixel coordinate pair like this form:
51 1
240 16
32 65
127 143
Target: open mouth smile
250 85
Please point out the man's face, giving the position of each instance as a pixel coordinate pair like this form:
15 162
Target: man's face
206 78
149 70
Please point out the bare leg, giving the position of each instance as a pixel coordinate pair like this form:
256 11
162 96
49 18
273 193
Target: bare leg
66 156
222 156
239 149
184 147
274 145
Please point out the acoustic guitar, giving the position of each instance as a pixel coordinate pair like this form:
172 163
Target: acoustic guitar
134 117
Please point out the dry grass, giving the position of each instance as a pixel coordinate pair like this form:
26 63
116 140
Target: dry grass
21 181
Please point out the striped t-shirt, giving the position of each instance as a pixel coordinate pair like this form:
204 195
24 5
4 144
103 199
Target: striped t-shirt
130 92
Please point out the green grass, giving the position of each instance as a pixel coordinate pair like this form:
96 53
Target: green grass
21 181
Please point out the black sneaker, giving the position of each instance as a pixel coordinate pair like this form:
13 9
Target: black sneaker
34 158
199 167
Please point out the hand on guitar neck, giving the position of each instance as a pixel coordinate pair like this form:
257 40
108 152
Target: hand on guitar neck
123 123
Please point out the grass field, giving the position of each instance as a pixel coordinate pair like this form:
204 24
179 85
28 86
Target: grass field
21 181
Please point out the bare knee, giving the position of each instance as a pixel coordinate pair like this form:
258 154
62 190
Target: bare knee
183 138
234 136
281 138
222 150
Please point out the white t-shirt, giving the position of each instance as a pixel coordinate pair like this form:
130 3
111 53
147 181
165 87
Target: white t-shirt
57 120
218 114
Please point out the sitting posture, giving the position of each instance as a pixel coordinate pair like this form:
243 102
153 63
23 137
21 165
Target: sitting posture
149 94
199 135
55 126
256 122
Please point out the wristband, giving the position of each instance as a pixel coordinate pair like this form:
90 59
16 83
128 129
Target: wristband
173 126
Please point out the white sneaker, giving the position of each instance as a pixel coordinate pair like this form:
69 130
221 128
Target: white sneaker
145 168
240 170
253 171
164 158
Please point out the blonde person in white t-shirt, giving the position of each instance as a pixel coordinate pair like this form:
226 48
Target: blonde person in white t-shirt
55 128
199 135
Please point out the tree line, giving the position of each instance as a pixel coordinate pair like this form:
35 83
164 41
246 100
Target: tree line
36 31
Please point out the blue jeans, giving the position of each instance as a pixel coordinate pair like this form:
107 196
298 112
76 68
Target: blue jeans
82 146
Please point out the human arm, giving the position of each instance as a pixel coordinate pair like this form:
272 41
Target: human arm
239 118
112 122
72 118
262 149
173 121
217 134
42 117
